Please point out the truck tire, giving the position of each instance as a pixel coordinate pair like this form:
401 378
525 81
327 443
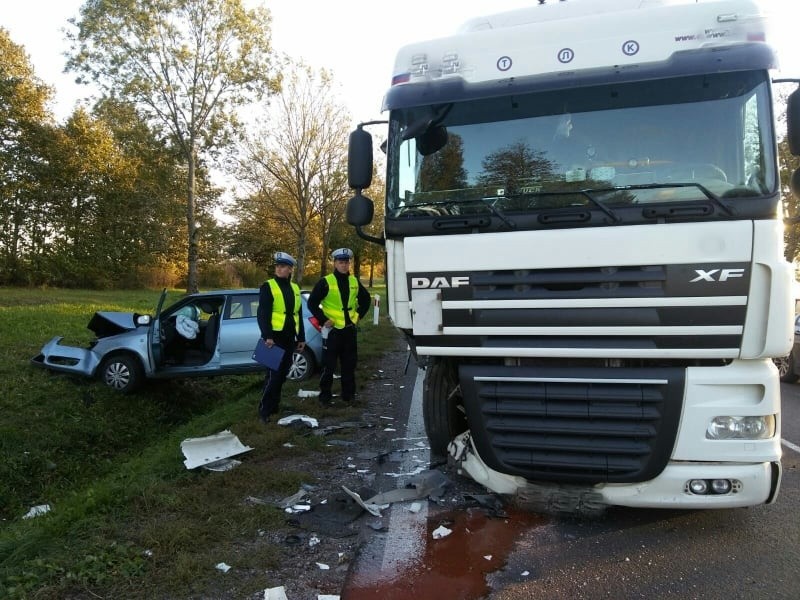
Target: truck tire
442 406
122 373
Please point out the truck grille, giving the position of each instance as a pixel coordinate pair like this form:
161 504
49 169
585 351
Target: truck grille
644 311
586 426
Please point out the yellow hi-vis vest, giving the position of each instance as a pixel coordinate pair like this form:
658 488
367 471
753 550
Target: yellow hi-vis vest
279 306
333 306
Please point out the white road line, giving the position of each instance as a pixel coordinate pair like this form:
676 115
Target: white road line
790 445
407 532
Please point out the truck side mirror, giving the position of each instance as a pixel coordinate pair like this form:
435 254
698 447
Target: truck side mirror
793 122
359 160
360 210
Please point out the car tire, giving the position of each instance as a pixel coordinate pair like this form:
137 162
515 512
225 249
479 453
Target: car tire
442 406
302 366
122 373
785 366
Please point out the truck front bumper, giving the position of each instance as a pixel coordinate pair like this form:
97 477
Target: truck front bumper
752 484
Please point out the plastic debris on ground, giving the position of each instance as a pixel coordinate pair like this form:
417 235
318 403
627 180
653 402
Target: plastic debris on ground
211 449
323 566
222 465
441 532
373 509
276 593
310 421
295 498
307 393
223 567
36 511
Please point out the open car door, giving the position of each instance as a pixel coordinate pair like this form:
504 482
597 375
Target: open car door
154 340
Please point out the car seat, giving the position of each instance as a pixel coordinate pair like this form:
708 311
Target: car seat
211 331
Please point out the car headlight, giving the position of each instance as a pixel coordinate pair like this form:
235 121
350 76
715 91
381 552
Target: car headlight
741 428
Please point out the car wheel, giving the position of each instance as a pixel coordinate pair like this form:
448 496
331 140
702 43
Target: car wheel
785 368
442 407
302 366
122 373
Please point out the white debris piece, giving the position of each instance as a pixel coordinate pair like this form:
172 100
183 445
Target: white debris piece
313 541
307 393
223 567
323 566
441 532
276 593
211 449
327 596
373 509
415 507
37 510
297 508
310 421
225 464
488 557
525 573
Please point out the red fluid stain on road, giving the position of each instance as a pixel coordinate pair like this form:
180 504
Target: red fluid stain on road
451 568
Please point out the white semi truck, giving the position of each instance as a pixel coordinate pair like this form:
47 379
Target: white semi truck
584 246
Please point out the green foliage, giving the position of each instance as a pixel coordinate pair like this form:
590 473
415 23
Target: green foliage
186 65
127 519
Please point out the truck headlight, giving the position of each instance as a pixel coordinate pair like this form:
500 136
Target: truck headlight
741 428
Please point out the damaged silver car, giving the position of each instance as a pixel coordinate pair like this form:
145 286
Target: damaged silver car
201 335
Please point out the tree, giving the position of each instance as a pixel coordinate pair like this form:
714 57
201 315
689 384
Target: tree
25 126
186 64
297 167
444 170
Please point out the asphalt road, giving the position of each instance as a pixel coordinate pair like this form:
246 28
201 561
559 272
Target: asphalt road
626 553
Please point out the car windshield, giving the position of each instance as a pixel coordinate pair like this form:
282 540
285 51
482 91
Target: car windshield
694 138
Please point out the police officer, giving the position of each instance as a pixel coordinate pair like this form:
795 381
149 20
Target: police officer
281 324
338 301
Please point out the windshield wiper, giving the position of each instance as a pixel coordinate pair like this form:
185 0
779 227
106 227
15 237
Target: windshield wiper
489 202
586 193
654 186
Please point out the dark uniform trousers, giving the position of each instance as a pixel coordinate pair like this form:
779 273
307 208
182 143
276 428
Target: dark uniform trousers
273 381
341 347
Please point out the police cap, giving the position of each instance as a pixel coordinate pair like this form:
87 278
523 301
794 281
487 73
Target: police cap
342 254
282 258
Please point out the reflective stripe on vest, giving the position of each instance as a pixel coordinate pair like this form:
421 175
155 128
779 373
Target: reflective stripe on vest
279 306
332 304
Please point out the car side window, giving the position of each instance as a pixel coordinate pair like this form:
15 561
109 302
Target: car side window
243 307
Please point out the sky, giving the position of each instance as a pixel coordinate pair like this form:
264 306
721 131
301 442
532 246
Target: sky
356 40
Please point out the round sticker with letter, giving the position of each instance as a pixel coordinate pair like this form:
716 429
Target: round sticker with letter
504 63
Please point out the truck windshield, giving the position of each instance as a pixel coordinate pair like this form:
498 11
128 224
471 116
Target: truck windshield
699 138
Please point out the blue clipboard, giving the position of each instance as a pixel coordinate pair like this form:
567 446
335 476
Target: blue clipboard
269 357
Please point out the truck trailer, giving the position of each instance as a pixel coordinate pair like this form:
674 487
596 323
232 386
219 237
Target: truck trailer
584 249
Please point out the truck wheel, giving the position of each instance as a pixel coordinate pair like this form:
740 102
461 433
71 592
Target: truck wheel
442 406
122 372
785 366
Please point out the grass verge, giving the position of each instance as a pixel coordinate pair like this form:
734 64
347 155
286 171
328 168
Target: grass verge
127 519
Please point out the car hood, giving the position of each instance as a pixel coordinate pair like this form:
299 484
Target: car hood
105 323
